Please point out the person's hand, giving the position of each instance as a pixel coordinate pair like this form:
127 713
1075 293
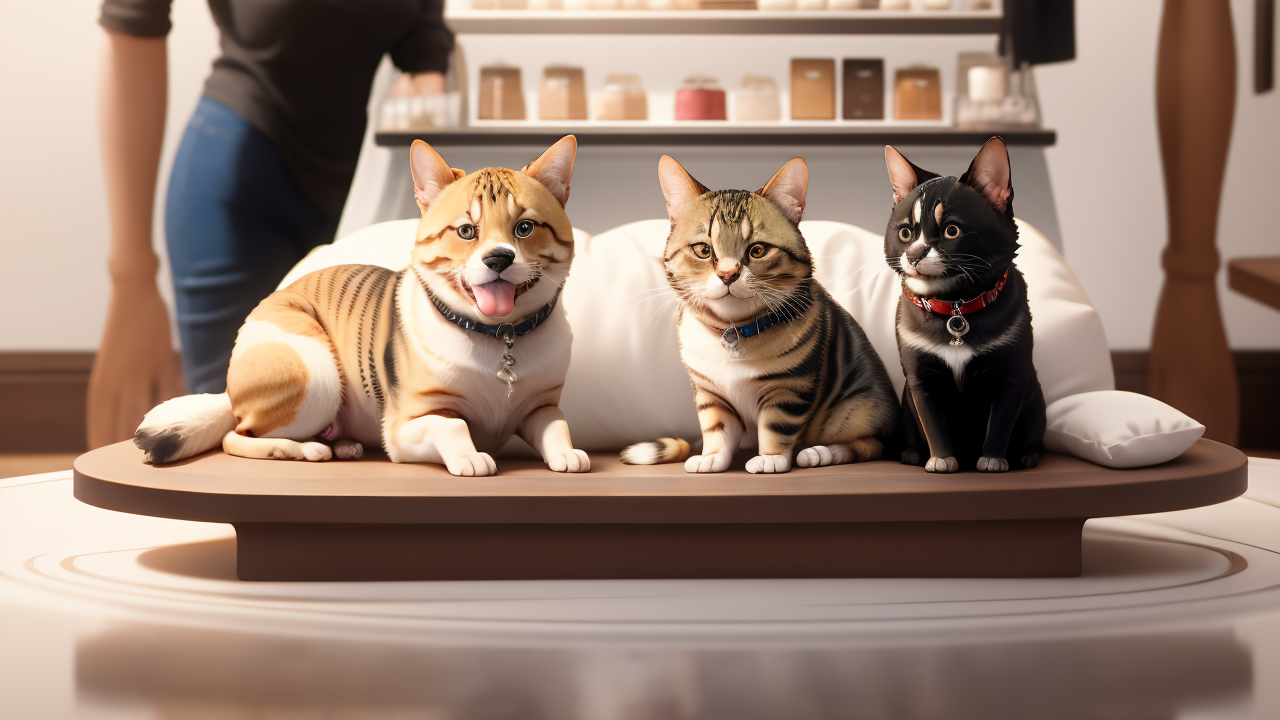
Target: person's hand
136 367
418 84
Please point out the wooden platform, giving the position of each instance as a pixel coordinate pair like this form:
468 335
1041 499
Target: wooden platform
376 520
1257 278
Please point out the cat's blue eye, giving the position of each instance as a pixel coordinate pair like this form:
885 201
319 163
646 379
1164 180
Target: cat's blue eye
524 228
467 232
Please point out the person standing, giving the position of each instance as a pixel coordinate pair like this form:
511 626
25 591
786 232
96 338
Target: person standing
260 176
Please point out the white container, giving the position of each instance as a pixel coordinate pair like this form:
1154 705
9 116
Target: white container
988 84
757 100
622 98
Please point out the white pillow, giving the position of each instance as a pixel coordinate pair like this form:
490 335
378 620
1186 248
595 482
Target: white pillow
1119 429
626 382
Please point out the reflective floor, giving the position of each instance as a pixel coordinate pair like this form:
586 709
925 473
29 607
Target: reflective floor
105 615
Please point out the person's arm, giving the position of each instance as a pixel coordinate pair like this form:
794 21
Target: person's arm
136 366
423 53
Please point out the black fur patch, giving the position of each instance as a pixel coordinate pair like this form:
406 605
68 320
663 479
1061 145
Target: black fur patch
159 447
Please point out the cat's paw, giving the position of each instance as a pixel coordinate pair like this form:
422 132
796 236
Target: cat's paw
942 465
707 463
316 452
573 461
992 464
1029 460
472 465
912 457
769 464
348 450
822 455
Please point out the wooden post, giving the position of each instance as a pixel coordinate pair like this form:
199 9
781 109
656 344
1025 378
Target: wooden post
1191 365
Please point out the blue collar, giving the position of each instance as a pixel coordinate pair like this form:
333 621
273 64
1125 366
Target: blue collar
730 336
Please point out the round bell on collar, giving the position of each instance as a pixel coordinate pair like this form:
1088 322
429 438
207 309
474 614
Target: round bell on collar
957 326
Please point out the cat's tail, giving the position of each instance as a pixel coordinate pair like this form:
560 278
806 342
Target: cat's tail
184 426
654 452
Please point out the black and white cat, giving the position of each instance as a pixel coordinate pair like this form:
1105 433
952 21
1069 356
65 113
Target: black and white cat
971 399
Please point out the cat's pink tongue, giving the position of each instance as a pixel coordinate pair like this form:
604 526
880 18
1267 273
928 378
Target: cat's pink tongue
495 299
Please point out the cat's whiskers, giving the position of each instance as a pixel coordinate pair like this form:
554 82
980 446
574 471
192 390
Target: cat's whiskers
658 310
873 264
653 294
968 256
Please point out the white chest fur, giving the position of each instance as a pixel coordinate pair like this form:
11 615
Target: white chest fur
956 357
466 362
734 379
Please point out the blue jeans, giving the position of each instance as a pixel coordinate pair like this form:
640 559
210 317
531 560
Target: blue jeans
235 223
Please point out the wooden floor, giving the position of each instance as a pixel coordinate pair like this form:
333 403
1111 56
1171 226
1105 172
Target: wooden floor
13 465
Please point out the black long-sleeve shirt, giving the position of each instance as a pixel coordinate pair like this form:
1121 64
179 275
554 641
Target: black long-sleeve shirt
301 70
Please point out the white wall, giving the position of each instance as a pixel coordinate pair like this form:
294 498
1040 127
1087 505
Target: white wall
1108 181
53 275
1105 170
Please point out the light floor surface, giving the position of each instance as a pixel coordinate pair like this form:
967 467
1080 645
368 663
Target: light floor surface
108 615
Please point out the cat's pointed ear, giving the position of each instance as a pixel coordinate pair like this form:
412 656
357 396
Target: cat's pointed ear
788 188
990 176
904 176
431 174
678 186
554 168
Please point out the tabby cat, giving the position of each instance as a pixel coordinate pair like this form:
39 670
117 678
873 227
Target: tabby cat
767 349
421 361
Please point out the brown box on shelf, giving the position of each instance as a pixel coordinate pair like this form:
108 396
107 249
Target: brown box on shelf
501 94
564 94
863 89
917 94
813 89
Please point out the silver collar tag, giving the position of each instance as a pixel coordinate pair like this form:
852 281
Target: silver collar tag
957 325
507 334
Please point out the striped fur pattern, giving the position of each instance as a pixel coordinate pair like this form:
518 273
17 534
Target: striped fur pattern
810 391
358 355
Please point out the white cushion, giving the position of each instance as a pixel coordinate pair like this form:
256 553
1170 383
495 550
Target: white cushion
1119 429
626 382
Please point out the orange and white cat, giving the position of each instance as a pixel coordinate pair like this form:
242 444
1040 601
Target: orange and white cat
420 362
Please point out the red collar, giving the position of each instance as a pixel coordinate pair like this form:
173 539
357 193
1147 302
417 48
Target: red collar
942 307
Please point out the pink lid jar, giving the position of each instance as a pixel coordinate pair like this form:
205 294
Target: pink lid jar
700 99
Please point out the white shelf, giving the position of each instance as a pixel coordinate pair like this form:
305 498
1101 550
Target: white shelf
724 22
715 133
